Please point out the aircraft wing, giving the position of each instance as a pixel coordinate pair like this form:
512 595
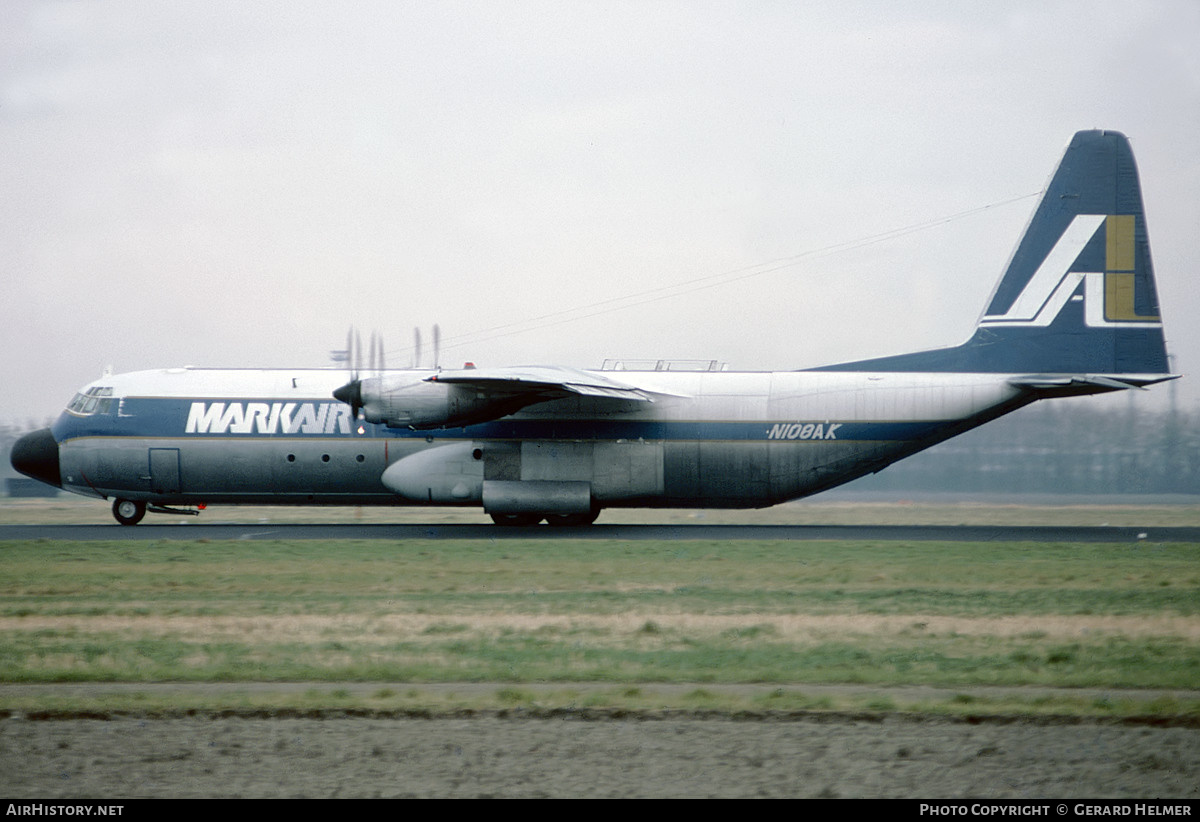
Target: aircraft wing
474 395
545 381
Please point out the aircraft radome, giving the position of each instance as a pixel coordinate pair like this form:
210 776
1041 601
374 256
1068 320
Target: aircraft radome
1075 312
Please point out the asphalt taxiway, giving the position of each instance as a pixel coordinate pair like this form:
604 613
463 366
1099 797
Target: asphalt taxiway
377 531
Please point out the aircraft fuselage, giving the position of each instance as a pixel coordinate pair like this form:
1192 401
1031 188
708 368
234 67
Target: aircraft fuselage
710 439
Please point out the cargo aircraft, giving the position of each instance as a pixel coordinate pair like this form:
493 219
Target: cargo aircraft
1075 312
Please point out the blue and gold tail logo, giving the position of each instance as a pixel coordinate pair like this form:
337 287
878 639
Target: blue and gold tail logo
1110 296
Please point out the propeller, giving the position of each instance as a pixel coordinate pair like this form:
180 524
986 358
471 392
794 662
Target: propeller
375 354
437 342
351 392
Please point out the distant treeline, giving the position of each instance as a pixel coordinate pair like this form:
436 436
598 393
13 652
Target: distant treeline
1063 447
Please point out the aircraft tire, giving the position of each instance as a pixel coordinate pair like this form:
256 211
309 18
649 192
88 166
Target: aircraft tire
572 520
128 512
516 519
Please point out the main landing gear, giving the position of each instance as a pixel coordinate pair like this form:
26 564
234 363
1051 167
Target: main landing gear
128 512
559 520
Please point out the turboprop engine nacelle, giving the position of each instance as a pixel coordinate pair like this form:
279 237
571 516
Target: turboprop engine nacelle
412 401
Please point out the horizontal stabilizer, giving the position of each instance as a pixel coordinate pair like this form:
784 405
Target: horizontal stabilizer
1088 383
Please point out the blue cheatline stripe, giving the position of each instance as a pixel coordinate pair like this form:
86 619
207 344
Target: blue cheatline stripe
148 417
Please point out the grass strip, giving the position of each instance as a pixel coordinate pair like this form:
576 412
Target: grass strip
570 611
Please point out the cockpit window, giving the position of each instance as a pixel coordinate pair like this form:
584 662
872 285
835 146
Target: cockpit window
96 400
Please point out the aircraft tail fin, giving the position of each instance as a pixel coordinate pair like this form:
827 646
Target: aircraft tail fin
1078 295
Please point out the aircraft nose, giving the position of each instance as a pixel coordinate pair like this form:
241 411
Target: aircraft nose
36 455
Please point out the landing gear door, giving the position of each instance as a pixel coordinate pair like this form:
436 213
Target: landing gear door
164 470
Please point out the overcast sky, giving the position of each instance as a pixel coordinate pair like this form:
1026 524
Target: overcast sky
237 183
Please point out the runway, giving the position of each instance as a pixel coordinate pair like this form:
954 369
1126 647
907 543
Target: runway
375 531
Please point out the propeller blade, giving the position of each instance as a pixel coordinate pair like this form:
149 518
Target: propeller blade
351 392
437 337
417 348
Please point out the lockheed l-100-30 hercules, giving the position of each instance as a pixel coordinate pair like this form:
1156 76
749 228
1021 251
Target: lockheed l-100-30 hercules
1075 312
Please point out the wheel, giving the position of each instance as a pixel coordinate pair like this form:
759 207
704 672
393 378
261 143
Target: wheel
128 512
569 520
516 519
